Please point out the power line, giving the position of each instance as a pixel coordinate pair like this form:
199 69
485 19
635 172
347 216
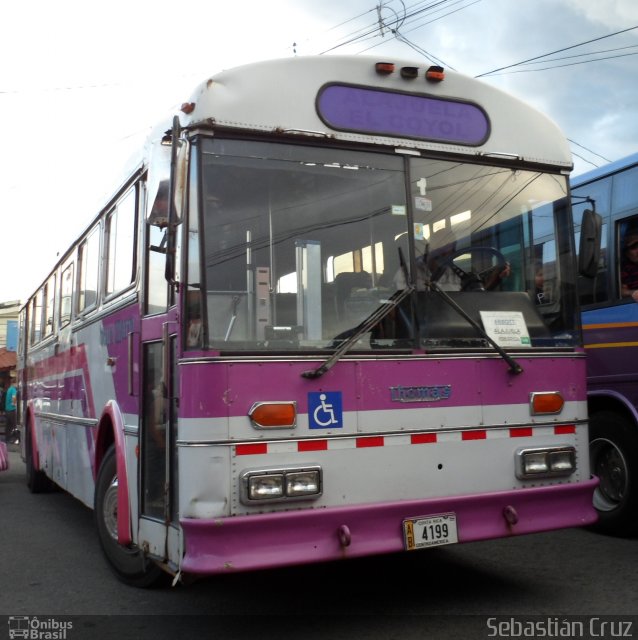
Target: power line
590 53
371 31
401 37
551 53
590 151
429 56
585 159
569 64
422 24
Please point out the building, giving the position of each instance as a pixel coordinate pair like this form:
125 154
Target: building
9 312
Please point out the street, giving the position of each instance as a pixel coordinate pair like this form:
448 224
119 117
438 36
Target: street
52 565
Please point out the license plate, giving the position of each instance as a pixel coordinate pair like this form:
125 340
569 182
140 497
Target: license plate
431 531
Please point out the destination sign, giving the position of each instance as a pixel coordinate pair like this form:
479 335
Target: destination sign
375 111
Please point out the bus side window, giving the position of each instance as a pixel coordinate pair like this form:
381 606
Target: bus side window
120 239
66 295
49 306
157 224
36 317
88 271
627 267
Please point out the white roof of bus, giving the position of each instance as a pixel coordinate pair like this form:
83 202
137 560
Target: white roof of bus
280 95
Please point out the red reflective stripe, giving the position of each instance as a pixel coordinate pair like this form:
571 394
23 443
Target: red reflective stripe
421 438
370 442
251 449
379 441
565 429
522 432
474 435
312 445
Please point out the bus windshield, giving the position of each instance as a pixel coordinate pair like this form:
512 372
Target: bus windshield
299 245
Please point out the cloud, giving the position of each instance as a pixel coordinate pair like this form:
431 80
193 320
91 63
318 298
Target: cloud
615 14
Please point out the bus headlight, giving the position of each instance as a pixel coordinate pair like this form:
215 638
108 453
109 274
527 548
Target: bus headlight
563 461
276 485
266 487
545 462
302 483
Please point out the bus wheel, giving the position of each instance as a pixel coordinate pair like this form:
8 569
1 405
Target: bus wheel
37 481
128 563
613 449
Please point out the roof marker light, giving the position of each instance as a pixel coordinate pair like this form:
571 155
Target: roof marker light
273 415
384 68
542 403
410 72
187 107
435 74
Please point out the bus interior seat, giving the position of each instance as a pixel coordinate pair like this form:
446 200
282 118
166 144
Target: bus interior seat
345 283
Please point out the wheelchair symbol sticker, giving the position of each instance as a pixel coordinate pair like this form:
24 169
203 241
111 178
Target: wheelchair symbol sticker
324 410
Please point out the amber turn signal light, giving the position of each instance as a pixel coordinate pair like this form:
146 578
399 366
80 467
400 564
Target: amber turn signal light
273 415
545 402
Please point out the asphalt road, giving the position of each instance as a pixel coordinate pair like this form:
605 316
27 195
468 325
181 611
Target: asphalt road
52 566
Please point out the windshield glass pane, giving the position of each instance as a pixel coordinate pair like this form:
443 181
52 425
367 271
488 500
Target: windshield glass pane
498 241
299 245
299 242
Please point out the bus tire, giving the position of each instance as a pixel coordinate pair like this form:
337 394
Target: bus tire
37 480
128 563
613 449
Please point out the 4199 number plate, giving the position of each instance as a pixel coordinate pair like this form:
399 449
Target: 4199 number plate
431 531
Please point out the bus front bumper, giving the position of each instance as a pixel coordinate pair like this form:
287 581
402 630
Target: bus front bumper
263 540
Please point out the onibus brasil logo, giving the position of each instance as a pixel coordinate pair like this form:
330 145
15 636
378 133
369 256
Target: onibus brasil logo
34 628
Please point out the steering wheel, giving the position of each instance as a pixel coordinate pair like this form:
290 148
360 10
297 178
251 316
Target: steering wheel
472 280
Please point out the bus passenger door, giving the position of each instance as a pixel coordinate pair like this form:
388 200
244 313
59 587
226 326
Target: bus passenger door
158 397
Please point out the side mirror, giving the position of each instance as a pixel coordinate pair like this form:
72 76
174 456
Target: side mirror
590 240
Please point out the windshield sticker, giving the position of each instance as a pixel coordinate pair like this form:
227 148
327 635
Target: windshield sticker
506 328
398 209
422 204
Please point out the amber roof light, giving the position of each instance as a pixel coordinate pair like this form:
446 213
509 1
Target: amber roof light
384 68
435 74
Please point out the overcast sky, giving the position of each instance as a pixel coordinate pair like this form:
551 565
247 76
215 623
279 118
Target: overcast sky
81 83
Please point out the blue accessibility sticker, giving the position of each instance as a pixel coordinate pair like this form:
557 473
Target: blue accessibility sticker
325 410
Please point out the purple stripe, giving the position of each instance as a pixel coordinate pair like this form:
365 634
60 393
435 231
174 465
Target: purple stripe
219 389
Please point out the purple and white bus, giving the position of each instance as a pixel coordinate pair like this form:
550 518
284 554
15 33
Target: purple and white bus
305 327
610 329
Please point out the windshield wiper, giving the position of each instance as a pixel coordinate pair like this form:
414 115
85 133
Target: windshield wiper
513 365
372 320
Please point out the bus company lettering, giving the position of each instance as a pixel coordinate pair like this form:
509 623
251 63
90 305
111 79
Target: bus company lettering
397 112
416 125
420 394
116 332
